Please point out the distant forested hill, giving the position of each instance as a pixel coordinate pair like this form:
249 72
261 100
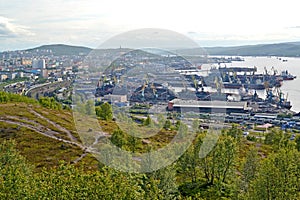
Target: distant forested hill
280 49
290 49
61 49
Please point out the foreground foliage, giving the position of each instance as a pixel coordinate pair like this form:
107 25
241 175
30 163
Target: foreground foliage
220 175
235 168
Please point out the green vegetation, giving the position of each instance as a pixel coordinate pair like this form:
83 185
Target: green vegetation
50 103
47 102
191 177
61 49
9 97
104 111
35 164
19 181
41 80
24 122
280 49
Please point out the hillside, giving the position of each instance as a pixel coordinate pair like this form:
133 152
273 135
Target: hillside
280 49
31 166
45 133
61 49
43 136
289 49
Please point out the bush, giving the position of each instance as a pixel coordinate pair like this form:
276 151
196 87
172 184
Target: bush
50 102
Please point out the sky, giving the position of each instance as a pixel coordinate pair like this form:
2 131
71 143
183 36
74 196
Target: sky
30 23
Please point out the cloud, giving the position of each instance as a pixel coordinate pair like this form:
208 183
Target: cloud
10 29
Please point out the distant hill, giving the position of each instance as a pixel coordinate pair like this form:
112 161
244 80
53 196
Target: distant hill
61 49
291 49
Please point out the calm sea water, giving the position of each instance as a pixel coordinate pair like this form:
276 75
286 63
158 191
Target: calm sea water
290 88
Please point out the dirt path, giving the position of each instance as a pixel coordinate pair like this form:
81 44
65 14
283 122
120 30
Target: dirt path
32 123
78 159
69 134
40 130
48 132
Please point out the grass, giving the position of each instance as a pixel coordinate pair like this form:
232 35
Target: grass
40 150
45 152
21 113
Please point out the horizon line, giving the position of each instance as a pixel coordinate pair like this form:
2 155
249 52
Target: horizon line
93 48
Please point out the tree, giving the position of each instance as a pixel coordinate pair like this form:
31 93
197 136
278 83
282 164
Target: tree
177 125
89 107
118 138
188 164
150 187
133 142
278 176
105 111
234 132
15 173
167 124
219 163
98 110
68 182
3 97
297 143
50 102
167 182
148 122
249 169
9 97
277 139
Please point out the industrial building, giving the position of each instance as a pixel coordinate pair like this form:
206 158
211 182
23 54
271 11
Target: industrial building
180 105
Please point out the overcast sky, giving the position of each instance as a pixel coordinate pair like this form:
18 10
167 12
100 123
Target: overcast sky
30 23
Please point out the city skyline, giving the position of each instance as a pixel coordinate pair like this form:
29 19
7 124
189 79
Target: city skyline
27 24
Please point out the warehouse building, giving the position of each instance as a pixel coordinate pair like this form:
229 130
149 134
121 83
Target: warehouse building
180 105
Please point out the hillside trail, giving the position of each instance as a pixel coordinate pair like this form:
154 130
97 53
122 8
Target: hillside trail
69 134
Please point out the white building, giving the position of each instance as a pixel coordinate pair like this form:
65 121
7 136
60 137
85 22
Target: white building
12 76
3 77
115 98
